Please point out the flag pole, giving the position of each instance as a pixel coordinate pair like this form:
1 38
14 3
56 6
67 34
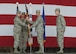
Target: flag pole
17 3
29 32
30 41
28 24
30 16
43 40
43 15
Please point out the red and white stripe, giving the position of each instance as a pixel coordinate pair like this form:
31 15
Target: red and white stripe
68 10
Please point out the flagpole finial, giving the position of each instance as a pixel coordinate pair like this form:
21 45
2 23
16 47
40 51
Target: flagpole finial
17 3
30 3
43 3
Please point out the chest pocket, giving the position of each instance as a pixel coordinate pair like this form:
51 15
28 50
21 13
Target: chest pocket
17 29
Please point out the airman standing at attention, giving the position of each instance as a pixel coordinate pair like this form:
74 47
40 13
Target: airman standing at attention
61 24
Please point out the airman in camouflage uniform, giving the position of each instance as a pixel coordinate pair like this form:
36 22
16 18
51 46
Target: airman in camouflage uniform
24 33
38 24
17 30
60 22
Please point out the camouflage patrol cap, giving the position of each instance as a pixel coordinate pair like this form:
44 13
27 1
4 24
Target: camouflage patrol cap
37 11
23 13
57 9
18 12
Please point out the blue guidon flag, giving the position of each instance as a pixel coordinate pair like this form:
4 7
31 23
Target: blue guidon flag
43 16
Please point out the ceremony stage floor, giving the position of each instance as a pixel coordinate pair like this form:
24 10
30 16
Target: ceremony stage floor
47 51
35 53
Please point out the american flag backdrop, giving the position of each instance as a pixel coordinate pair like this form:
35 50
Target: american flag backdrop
68 10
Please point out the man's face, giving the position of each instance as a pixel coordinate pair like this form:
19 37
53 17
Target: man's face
19 15
37 13
23 16
57 13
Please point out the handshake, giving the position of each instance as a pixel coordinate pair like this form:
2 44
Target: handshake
30 22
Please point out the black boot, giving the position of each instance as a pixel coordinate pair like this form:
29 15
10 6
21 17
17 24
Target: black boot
24 50
16 51
21 50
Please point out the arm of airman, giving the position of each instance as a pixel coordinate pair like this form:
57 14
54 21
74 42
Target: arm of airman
21 23
63 23
29 21
35 23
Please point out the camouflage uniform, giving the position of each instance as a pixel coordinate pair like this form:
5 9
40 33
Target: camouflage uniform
38 24
17 31
60 22
24 35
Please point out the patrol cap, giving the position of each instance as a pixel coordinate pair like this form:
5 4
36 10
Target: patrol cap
18 12
57 9
37 11
23 13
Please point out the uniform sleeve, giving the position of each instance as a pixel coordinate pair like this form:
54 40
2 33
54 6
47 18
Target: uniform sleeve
14 19
21 23
30 22
35 23
63 23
